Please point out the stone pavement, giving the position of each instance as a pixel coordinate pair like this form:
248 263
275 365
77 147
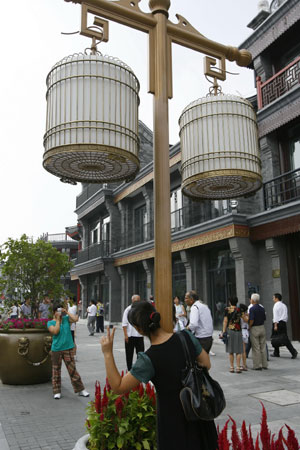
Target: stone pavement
30 419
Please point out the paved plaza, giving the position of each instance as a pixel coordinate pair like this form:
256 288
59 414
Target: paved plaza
30 419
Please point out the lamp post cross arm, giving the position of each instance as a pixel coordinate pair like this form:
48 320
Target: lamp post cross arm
125 12
128 13
186 35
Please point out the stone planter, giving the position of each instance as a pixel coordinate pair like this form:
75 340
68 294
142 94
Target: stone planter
24 356
81 443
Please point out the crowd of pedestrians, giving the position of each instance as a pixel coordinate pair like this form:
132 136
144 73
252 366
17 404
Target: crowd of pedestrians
243 330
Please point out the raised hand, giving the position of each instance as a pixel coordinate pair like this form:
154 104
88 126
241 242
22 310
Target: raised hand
108 341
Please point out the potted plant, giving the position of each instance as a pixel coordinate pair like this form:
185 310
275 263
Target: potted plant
125 422
28 270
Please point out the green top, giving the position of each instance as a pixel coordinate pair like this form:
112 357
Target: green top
143 369
63 340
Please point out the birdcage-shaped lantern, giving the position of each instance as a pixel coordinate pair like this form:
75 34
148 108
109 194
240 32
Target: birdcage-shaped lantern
219 148
92 120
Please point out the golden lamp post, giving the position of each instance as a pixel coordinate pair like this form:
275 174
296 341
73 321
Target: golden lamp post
162 33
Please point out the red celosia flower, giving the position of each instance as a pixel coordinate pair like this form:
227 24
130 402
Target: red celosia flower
88 423
98 403
104 398
251 444
97 388
223 442
101 417
257 443
273 447
119 406
148 389
141 390
108 387
279 442
265 434
245 437
236 443
291 439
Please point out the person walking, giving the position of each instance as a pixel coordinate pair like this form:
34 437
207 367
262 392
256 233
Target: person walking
100 317
91 316
201 323
180 311
133 339
232 325
280 318
163 364
63 349
257 317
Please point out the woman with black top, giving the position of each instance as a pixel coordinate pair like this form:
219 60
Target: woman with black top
162 363
232 325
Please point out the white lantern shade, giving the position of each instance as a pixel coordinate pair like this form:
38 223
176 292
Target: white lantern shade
219 148
92 120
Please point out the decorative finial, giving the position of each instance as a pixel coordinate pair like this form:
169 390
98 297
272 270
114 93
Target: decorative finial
159 5
263 5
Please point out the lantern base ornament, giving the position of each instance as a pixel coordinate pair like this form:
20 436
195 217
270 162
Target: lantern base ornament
223 184
91 163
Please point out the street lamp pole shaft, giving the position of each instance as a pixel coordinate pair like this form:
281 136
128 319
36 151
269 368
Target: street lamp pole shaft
162 217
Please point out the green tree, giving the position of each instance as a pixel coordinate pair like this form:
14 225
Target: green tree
31 269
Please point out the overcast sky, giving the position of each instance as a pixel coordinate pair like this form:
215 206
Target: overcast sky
32 200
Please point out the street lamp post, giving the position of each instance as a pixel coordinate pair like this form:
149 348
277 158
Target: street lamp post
162 33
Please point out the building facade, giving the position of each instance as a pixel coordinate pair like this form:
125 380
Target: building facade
275 49
219 248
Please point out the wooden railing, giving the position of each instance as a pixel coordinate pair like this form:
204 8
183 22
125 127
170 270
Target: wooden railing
280 83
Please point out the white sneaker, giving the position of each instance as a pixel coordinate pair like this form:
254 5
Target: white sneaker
212 353
57 396
84 393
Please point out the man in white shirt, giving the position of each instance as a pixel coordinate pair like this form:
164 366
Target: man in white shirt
280 318
133 339
201 323
92 311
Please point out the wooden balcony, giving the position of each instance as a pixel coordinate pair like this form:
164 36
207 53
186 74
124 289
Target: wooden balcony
279 84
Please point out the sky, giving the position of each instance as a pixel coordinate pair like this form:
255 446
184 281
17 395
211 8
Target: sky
32 200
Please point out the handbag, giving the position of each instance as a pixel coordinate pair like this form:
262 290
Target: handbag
224 337
202 397
278 340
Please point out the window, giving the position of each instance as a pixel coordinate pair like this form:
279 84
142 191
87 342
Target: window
295 153
140 224
94 233
99 231
105 229
176 209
